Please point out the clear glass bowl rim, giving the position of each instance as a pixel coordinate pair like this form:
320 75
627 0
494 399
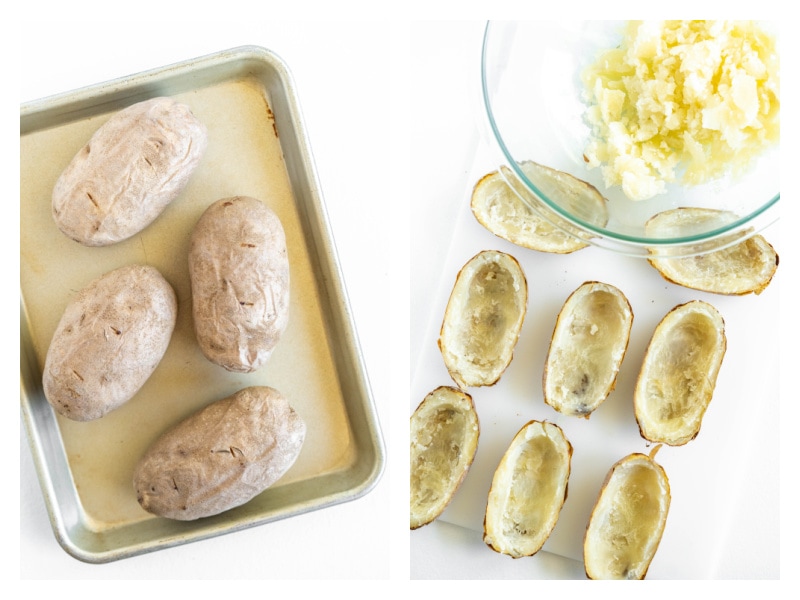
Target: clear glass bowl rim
732 227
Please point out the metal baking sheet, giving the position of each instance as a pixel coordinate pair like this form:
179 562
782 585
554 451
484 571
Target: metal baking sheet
257 147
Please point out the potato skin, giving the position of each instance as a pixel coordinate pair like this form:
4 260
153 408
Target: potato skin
444 439
679 373
221 456
628 519
483 319
109 341
127 174
587 347
528 490
239 271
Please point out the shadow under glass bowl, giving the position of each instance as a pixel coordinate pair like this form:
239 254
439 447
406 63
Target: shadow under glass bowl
532 94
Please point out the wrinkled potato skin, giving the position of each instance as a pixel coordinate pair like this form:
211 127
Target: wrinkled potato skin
239 271
128 173
109 341
221 456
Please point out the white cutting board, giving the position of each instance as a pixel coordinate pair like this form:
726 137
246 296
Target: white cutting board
739 433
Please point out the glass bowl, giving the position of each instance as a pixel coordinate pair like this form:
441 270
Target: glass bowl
532 93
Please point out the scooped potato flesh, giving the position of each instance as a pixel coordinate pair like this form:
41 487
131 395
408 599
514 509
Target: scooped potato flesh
528 490
587 348
679 374
444 439
483 319
628 520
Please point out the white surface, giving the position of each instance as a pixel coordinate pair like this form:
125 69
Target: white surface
723 521
345 97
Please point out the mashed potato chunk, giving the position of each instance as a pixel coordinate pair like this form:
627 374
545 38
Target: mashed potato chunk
681 101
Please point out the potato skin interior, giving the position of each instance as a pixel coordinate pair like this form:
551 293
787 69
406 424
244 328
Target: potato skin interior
745 267
679 373
497 204
528 490
587 347
628 519
444 440
483 319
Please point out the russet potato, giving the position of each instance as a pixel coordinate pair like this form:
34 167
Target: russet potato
131 169
239 272
528 490
220 457
110 339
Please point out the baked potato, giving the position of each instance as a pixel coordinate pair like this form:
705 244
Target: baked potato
109 340
628 519
220 457
130 170
239 273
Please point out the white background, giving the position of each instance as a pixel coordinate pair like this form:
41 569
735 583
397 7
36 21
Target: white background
391 148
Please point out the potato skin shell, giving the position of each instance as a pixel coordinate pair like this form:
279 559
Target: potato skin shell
499 509
625 316
496 206
744 267
239 272
459 318
221 456
130 170
109 341
658 432
756 243
656 534
442 400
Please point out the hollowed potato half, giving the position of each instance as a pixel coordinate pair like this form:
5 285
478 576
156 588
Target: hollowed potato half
587 347
628 519
679 373
528 490
483 319
745 267
444 439
498 207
